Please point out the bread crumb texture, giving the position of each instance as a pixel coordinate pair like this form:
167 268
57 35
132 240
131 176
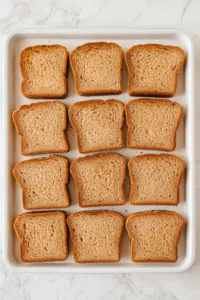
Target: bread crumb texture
152 123
153 69
43 69
100 179
43 236
154 236
43 182
98 124
96 235
97 68
155 179
41 127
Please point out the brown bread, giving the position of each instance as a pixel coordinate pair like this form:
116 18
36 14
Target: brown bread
43 69
41 127
97 68
153 69
155 179
154 235
98 124
100 179
42 236
96 236
43 182
152 123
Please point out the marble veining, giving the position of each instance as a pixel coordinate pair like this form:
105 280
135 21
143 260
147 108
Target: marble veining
182 14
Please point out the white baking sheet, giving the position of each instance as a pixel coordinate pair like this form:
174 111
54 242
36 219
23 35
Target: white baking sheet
185 146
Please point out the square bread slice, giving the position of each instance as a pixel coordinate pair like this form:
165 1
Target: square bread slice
154 235
44 69
42 236
100 179
155 179
96 235
98 124
97 68
152 123
43 182
153 69
41 127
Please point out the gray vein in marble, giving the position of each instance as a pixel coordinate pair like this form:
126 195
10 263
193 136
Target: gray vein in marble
185 9
19 12
195 37
76 19
139 15
89 19
51 13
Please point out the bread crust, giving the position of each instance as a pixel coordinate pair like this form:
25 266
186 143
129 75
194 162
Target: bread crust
32 107
95 102
50 95
89 213
155 213
22 185
151 100
37 215
86 48
144 156
146 92
93 157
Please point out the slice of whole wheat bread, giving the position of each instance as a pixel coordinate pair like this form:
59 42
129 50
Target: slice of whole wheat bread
100 179
153 69
152 123
97 68
43 182
154 235
96 235
43 69
41 127
42 236
98 124
155 179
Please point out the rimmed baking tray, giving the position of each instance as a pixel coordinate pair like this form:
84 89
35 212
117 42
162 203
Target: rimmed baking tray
185 146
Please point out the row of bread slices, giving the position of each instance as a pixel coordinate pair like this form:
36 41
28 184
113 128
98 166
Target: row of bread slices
96 236
152 124
97 69
100 179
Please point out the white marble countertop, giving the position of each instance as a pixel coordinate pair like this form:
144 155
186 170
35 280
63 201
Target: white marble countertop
182 14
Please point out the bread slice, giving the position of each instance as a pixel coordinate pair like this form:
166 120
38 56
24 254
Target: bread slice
155 179
154 235
43 182
98 124
42 236
41 127
152 124
97 68
100 179
43 69
153 69
96 236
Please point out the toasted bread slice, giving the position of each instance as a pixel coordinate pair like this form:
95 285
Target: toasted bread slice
96 236
42 236
100 179
98 124
153 69
152 124
97 68
43 182
154 235
155 179
43 69
41 127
